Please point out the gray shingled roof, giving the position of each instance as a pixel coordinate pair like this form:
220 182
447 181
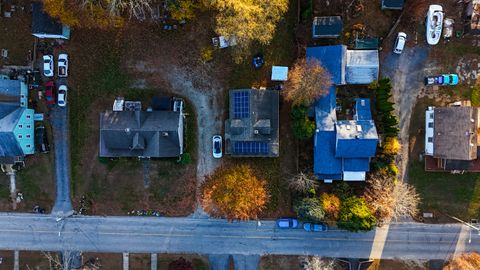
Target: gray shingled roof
141 133
42 23
455 133
10 150
261 125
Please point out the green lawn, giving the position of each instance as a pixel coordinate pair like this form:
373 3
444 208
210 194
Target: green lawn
452 194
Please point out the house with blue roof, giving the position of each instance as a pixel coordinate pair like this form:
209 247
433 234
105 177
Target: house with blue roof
343 148
16 122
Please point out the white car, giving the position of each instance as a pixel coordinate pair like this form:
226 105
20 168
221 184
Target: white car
62 65
48 65
217 146
434 24
400 43
62 95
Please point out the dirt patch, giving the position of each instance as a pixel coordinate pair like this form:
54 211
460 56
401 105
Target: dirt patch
398 265
15 34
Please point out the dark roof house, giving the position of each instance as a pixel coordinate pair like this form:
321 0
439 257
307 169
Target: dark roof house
327 27
44 26
153 134
253 125
343 149
393 4
16 122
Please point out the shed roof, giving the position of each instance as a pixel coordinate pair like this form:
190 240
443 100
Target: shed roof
392 4
327 27
140 133
362 109
42 23
455 133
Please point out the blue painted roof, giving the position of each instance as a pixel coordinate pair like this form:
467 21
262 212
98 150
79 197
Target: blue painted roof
325 115
324 161
362 109
356 139
356 164
332 59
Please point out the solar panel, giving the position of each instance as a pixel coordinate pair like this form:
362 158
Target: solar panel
250 148
241 104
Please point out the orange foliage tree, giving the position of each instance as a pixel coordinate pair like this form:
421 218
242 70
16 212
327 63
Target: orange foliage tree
234 193
331 205
467 261
307 81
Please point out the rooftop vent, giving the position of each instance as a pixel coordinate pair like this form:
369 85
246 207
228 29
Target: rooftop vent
362 102
165 134
359 128
348 127
472 120
256 132
127 130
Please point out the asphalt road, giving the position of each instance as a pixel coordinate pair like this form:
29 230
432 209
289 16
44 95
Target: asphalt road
61 142
214 236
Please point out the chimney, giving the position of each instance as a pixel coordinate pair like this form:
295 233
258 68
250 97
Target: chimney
256 132
165 134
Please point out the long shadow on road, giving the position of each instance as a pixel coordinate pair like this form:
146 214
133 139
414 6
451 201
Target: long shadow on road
61 141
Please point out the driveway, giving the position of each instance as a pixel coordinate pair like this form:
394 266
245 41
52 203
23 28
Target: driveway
208 106
406 72
61 142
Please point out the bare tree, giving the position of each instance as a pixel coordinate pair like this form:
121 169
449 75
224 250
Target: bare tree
316 263
307 81
466 261
139 9
390 199
302 182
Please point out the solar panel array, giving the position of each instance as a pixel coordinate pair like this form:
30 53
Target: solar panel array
241 104
250 148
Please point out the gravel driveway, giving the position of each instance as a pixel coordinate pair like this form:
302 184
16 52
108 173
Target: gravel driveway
407 72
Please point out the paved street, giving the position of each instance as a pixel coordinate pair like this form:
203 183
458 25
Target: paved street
211 236
59 120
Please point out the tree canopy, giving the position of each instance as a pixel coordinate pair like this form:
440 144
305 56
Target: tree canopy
466 261
355 215
234 193
331 204
391 146
248 21
307 81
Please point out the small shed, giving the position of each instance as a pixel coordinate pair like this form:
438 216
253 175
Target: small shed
279 73
366 44
393 4
327 27
44 26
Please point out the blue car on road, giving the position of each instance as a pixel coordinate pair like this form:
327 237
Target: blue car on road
286 223
315 227
444 79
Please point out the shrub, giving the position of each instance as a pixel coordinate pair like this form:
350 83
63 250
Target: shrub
391 146
392 168
206 54
185 159
342 190
303 128
331 204
310 210
355 215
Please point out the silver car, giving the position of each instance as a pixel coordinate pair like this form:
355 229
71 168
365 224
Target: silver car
62 95
217 146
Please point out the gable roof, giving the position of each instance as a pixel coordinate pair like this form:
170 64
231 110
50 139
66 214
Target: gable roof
392 4
327 27
325 163
141 133
252 128
455 133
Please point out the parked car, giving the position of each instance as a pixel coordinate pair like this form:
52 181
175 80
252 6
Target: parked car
434 24
41 141
400 43
62 95
444 79
285 223
315 227
62 65
217 146
48 65
50 93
